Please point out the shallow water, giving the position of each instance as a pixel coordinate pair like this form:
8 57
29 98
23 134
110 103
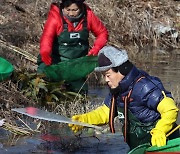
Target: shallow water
165 65
66 142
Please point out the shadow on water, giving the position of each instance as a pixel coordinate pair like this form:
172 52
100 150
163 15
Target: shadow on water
60 139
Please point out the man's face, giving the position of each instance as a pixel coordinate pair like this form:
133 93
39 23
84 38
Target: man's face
72 11
113 78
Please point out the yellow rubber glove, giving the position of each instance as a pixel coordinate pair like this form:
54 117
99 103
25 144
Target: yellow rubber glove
169 112
98 116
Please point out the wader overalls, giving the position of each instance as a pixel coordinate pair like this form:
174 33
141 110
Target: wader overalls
135 132
70 45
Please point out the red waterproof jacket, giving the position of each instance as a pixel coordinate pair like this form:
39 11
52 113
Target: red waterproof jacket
54 26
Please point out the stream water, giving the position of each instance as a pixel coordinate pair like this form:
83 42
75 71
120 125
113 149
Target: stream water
165 65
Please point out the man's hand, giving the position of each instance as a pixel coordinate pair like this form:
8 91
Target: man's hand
98 116
158 138
76 128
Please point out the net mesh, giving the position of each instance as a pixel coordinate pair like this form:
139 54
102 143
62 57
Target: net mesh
71 70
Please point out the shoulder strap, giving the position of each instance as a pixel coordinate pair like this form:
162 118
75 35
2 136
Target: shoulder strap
126 101
113 110
130 92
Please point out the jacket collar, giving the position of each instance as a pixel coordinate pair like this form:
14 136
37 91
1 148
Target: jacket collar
129 79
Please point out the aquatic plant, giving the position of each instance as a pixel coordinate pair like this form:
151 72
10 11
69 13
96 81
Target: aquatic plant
38 88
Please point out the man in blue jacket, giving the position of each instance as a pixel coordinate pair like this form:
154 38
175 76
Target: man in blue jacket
149 109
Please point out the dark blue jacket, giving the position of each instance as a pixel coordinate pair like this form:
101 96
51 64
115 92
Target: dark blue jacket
145 97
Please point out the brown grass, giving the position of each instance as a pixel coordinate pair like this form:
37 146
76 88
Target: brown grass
131 23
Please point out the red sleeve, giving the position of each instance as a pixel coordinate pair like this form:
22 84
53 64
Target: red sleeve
98 29
52 28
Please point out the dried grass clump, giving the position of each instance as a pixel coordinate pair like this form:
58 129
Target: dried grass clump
133 22
17 130
129 22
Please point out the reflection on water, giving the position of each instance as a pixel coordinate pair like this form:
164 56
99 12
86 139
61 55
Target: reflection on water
165 65
66 142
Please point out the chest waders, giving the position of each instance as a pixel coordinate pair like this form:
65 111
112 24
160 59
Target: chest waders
137 132
71 45
134 131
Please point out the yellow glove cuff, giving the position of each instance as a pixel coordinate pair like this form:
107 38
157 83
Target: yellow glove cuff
166 104
98 116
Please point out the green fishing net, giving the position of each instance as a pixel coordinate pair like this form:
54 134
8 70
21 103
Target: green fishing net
71 70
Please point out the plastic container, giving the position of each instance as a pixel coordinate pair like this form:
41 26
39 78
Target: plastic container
6 69
173 146
140 149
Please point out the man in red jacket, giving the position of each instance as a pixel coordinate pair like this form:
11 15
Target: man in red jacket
66 33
